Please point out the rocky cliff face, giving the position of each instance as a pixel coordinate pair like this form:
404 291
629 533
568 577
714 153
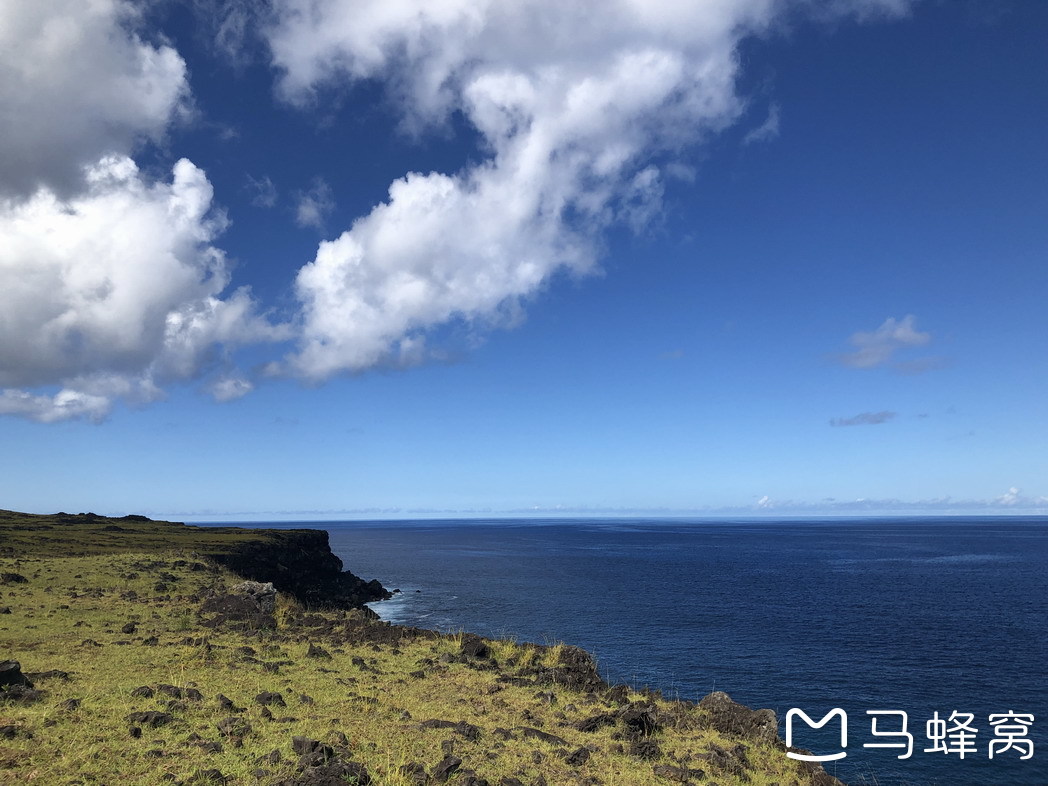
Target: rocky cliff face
300 563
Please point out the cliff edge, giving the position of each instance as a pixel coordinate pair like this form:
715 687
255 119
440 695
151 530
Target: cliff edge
298 562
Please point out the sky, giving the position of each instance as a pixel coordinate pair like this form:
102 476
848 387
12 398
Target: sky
393 258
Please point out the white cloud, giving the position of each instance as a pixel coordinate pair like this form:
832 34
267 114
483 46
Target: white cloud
864 419
112 285
77 83
767 130
263 191
878 347
576 104
1010 498
230 26
230 388
314 205
64 405
114 291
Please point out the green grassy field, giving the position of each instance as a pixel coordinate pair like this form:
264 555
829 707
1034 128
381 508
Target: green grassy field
119 618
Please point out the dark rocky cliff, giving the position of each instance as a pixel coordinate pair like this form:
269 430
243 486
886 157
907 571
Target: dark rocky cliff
298 562
301 563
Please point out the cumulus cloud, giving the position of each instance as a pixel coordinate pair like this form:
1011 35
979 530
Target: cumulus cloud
579 108
878 347
64 405
77 83
113 284
864 419
109 293
314 205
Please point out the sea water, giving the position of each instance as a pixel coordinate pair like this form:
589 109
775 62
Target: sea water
919 615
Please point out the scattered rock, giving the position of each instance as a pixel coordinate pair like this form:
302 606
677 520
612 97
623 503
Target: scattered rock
13 578
474 647
446 768
576 670
737 720
268 698
538 734
678 774
15 686
415 773
467 730
578 758
248 609
152 719
264 596
11 674
724 761
336 773
234 727
645 749
305 745
596 722
641 719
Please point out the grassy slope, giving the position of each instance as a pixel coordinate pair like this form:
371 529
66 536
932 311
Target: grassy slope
82 589
24 534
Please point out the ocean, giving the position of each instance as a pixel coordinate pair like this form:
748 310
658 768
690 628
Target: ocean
918 615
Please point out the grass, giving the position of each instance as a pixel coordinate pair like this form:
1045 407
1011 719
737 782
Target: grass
374 688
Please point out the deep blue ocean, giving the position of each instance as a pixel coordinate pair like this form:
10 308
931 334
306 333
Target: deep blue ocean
920 615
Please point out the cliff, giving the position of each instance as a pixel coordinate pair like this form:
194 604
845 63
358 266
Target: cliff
298 562
301 563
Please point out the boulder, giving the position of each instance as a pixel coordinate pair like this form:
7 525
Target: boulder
263 595
727 717
11 674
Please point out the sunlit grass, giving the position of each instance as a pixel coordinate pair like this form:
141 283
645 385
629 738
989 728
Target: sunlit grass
71 615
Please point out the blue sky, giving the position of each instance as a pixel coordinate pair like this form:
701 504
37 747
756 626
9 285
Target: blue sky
746 258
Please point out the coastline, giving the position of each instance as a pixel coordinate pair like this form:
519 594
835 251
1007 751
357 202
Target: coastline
319 608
